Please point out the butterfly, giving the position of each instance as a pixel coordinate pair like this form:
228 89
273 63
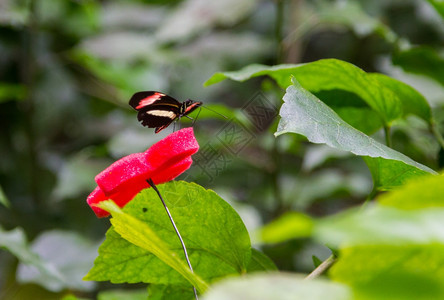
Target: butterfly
157 110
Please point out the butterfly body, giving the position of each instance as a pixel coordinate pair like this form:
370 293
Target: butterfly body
158 110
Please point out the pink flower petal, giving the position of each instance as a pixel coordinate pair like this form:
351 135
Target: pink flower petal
95 197
124 172
172 149
172 172
121 198
162 162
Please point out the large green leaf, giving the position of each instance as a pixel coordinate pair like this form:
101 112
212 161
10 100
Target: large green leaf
217 240
121 294
390 98
412 101
382 225
169 292
392 271
422 193
277 286
142 237
15 242
394 250
411 214
258 262
388 174
304 114
68 253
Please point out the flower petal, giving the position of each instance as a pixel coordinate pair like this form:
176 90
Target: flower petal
95 197
121 198
172 149
162 162
172 172
124 172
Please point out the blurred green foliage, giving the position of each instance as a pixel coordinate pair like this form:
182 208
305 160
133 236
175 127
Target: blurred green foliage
68 68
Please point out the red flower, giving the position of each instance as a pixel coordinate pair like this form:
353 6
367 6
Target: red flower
162 162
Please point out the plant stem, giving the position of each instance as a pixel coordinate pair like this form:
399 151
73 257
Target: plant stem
151 183
323 267
388 138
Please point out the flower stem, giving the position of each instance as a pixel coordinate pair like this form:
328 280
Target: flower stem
323 267
151 183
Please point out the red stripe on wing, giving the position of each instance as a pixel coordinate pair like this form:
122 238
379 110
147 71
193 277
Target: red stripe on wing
149 100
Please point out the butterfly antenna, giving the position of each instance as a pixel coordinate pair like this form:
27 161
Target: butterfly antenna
195 119
215 112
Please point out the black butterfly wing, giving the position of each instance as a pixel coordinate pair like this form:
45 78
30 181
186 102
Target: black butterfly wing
155 109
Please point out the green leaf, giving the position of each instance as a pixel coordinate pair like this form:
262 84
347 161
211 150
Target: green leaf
260 262
116 294
15 242
288 226
169 292
250 71
388 174
123 295
142 236
421 193
412 101
53 247
381 225
217 240
421 60
392 271
304 114
352 110
392 250
378 91
276 286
